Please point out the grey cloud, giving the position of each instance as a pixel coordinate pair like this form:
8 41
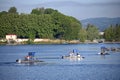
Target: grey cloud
75 3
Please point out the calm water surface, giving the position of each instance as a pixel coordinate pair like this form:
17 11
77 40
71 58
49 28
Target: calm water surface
93 67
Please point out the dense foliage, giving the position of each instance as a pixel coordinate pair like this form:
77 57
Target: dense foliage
83 35
41 23
112 33
92 32
51 24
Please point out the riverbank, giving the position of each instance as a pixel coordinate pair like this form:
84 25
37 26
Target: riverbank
41 41
49 41
67 42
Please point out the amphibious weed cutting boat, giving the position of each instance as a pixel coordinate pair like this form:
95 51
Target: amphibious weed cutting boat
104 51
73 55
29 59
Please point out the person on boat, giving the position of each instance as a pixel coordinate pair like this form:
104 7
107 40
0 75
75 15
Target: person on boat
71 54
27 57
104 50
78 55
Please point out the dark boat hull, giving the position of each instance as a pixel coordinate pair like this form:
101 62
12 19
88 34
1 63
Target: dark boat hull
28 61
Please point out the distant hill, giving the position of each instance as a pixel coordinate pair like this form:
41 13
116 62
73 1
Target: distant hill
102 23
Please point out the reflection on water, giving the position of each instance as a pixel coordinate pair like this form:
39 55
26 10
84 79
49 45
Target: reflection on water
92 67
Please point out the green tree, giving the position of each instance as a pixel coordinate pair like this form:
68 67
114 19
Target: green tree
112 33
41 23
3 13
38 11
13 10
49 11
117 32
82 35
92 32
109 33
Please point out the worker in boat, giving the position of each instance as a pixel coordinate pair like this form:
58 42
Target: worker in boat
27 57
103 50
71 54
78 55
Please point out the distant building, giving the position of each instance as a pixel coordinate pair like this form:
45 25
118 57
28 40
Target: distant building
11 37
101 33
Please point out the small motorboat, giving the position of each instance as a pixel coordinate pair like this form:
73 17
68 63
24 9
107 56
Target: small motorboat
73 55
29 59
104 51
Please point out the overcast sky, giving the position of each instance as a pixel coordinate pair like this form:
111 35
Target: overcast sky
81 9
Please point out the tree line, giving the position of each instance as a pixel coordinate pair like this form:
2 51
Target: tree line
41 23
49 23
112 33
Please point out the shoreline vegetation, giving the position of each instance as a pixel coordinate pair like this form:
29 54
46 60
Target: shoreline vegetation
52 41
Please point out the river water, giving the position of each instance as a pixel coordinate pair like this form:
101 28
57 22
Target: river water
92 67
